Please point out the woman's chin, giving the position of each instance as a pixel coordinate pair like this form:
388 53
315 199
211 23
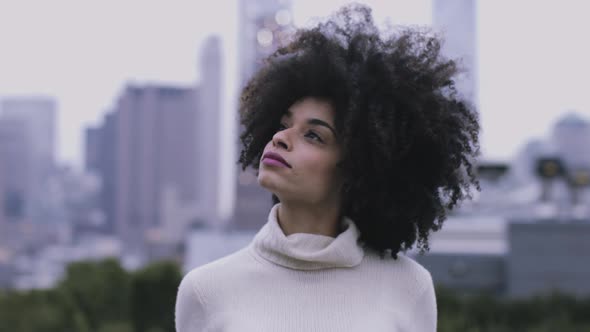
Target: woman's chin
267 182
271 187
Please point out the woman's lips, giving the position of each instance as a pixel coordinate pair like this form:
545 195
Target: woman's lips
273 162
274 159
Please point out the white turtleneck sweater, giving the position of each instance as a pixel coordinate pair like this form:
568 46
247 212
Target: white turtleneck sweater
306 282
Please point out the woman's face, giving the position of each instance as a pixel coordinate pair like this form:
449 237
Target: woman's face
307 142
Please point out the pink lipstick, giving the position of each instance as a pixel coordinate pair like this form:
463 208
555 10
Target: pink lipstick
274 159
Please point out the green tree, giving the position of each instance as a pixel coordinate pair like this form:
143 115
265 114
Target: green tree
98 290
153 295
37 311
487 313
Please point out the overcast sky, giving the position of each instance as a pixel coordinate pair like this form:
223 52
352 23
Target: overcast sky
533 56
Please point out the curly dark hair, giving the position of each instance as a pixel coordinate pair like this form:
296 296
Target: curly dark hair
408 138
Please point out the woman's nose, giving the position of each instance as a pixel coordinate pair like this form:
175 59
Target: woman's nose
280 139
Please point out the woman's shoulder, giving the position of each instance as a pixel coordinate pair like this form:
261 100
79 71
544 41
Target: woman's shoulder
411 264
209 285
404 269
216 270
204 285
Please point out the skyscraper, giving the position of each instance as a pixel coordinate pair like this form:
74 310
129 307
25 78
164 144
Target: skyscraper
2 203
101 159
210 131
457 21
156 161
15 172
39 115
264 25
2 186
91 148
29 152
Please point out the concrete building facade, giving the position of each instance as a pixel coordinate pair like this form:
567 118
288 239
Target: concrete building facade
540 258
264 25
210 132
156 161
28 152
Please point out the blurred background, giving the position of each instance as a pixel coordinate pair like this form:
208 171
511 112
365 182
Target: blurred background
119 142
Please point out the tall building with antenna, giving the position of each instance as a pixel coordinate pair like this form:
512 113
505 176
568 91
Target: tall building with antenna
263 26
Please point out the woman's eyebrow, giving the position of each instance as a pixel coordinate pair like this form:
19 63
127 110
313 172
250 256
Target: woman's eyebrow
313 121
319 122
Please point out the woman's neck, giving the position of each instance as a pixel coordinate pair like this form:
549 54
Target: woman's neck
322 219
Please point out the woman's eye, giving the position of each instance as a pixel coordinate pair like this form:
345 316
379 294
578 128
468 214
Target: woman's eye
314 136
281 127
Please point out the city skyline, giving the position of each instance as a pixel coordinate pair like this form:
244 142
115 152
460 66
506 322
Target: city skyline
523 61
160 182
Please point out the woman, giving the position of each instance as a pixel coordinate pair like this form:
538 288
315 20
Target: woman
365 145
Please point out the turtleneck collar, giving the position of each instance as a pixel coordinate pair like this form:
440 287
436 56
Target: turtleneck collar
303 251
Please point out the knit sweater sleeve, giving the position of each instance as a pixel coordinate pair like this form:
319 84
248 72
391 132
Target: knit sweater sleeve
190 307
424 313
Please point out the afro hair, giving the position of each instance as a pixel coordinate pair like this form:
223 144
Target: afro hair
408 138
